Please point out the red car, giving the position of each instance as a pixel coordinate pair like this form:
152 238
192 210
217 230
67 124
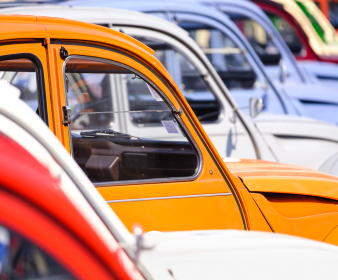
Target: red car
294 35
48 229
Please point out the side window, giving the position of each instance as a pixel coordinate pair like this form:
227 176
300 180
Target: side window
258 38
196 91
22 73
227 59
333 12
21 259
287 32
105 151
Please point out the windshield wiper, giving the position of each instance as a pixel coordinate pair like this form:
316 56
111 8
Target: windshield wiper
109 132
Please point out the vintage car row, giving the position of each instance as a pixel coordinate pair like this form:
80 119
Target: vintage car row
237 70
179 182
54 225
294 140
275 54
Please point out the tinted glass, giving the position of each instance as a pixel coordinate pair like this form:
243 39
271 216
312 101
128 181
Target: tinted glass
227 59
288 34
101 145
258 38
21 259
191 83
333 12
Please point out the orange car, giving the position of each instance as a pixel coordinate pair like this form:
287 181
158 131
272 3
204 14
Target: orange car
89 83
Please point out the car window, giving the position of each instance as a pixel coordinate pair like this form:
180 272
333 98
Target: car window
258 38
288 34
21 259
191 83
22 73
159 149
226 57
333 12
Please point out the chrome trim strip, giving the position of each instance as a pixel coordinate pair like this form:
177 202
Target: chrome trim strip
169 197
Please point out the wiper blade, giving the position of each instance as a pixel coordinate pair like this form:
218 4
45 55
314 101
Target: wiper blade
109 132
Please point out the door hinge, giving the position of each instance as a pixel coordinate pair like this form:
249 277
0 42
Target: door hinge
178 112
67 115
63 53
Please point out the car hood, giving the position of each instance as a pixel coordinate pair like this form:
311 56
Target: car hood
272 177
323 70
236 255
316 93
295 126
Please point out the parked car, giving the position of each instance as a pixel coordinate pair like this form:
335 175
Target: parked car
175 183
304 28
54 225
294 140
275 53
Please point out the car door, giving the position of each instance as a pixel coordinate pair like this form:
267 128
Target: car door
161 184
211 107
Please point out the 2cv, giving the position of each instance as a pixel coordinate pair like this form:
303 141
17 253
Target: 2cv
176 183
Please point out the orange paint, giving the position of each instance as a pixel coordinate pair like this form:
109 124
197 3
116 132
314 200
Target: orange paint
250 194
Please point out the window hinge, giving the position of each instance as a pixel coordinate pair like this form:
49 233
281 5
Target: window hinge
67 115
178 112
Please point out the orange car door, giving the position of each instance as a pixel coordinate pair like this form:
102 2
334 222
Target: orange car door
167 184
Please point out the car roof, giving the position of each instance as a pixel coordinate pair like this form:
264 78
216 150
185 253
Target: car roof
98 15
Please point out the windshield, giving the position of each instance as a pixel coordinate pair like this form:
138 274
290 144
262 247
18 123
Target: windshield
322 26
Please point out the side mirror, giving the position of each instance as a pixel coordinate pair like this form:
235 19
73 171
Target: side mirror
139 242
256 106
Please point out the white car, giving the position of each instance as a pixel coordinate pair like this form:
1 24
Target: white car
282 138
174 255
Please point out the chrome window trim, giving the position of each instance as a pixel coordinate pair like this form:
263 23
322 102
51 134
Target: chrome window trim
176 116
169 197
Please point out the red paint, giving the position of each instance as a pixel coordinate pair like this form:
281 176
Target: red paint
33 205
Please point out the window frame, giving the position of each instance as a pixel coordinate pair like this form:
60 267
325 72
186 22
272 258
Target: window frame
165 99
40 81
181 49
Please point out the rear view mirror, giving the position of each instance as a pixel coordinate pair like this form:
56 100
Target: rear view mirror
256 106
269 59
238 79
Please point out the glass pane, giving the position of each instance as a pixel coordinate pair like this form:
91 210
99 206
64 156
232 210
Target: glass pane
21 259
288 34
196 91
102 146
227 59
21 74
333 12
258 38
